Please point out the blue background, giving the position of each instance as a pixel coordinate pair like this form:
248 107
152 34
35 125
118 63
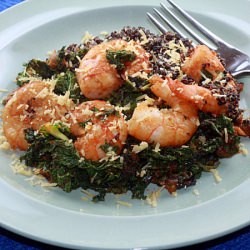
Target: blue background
9 240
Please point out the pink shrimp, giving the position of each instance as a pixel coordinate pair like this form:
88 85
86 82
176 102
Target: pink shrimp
168 127
31 106
95 124
98 78
202 58
199 96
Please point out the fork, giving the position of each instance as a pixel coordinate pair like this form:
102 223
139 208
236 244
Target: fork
236 62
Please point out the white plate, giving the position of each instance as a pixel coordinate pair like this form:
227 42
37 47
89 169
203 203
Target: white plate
35 27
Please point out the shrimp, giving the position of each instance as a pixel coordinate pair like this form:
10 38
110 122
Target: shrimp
199 96
97 78
202 58
31 106
168 127
97 124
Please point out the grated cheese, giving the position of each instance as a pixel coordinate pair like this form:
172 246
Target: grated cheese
138 148
20 168
143 36
4 90
43 93
87 193
174 194
196 192
243 150
48 184
86 37
153 196
4 144
226 135
157 147
104 33
217 177
84 198
124 203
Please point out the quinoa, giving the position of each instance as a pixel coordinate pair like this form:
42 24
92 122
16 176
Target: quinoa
158 47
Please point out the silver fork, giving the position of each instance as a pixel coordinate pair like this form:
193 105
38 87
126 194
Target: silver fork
236 62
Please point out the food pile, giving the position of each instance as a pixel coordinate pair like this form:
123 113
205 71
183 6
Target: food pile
119 113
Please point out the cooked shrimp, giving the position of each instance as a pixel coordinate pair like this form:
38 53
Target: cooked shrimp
201 97
168 127
95 124
98 78
202 58
31 106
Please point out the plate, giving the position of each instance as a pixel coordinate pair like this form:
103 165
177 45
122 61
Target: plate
33 28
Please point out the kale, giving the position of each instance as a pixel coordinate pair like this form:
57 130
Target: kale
103 113
58 130
127 95
34 69
68 57
178 167
172 167
67 82
107 147
109 112
215 135
59 161
119 58
56 158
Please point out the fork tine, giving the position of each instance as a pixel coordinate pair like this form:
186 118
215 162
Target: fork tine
157 23
169 23
197 37
198 25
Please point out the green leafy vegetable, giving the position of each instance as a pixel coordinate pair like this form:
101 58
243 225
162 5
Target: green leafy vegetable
67 82
173 168
119 58
54 130
215 136
68 57
60 163
108 147
34 69
128 93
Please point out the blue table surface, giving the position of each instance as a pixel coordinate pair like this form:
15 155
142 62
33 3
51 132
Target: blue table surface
10 240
